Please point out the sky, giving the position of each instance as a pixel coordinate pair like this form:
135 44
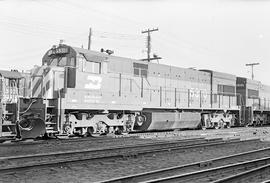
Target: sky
220 35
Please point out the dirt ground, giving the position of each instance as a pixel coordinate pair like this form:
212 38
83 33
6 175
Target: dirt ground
94 171
243 133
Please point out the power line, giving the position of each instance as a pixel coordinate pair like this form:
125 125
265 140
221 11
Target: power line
148 45
252 65
89 38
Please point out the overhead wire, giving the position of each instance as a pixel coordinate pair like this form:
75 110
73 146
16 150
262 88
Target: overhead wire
21 26
195 47
44 29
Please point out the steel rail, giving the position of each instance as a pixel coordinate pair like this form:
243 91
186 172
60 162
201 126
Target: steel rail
98 153
68 140
246 176
187 167
21 162
266 181
213 172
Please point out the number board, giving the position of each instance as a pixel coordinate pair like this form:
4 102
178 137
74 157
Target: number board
56 51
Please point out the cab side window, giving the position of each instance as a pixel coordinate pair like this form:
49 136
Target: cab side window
92 67
63 62
88 66
80 61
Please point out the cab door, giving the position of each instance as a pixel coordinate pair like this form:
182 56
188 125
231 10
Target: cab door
58 82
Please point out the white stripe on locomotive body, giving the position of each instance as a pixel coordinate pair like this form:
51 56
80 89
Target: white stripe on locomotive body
42 82
35 78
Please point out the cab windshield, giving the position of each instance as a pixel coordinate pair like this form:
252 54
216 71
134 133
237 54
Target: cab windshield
61 62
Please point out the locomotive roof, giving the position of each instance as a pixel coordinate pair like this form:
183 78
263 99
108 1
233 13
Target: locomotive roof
250 81
10 74
97 56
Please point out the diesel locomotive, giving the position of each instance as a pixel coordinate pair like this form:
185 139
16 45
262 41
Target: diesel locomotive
80 92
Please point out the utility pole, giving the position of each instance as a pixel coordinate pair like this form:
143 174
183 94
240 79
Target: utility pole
252 65
148 45
89 38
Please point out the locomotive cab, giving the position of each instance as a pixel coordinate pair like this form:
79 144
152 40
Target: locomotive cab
75 64
62 61
71 81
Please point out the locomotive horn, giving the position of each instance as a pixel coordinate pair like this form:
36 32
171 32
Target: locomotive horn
31 127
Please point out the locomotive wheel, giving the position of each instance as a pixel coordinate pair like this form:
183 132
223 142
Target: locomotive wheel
118 131
216 125
102 128
142 122
67 129
89 132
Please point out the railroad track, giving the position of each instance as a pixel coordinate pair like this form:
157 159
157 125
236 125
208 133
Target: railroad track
57 141
53 145
10 141
257 174
14 163
21 148
67 140
249 164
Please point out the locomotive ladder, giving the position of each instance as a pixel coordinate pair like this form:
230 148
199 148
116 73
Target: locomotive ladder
8 119
51 116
